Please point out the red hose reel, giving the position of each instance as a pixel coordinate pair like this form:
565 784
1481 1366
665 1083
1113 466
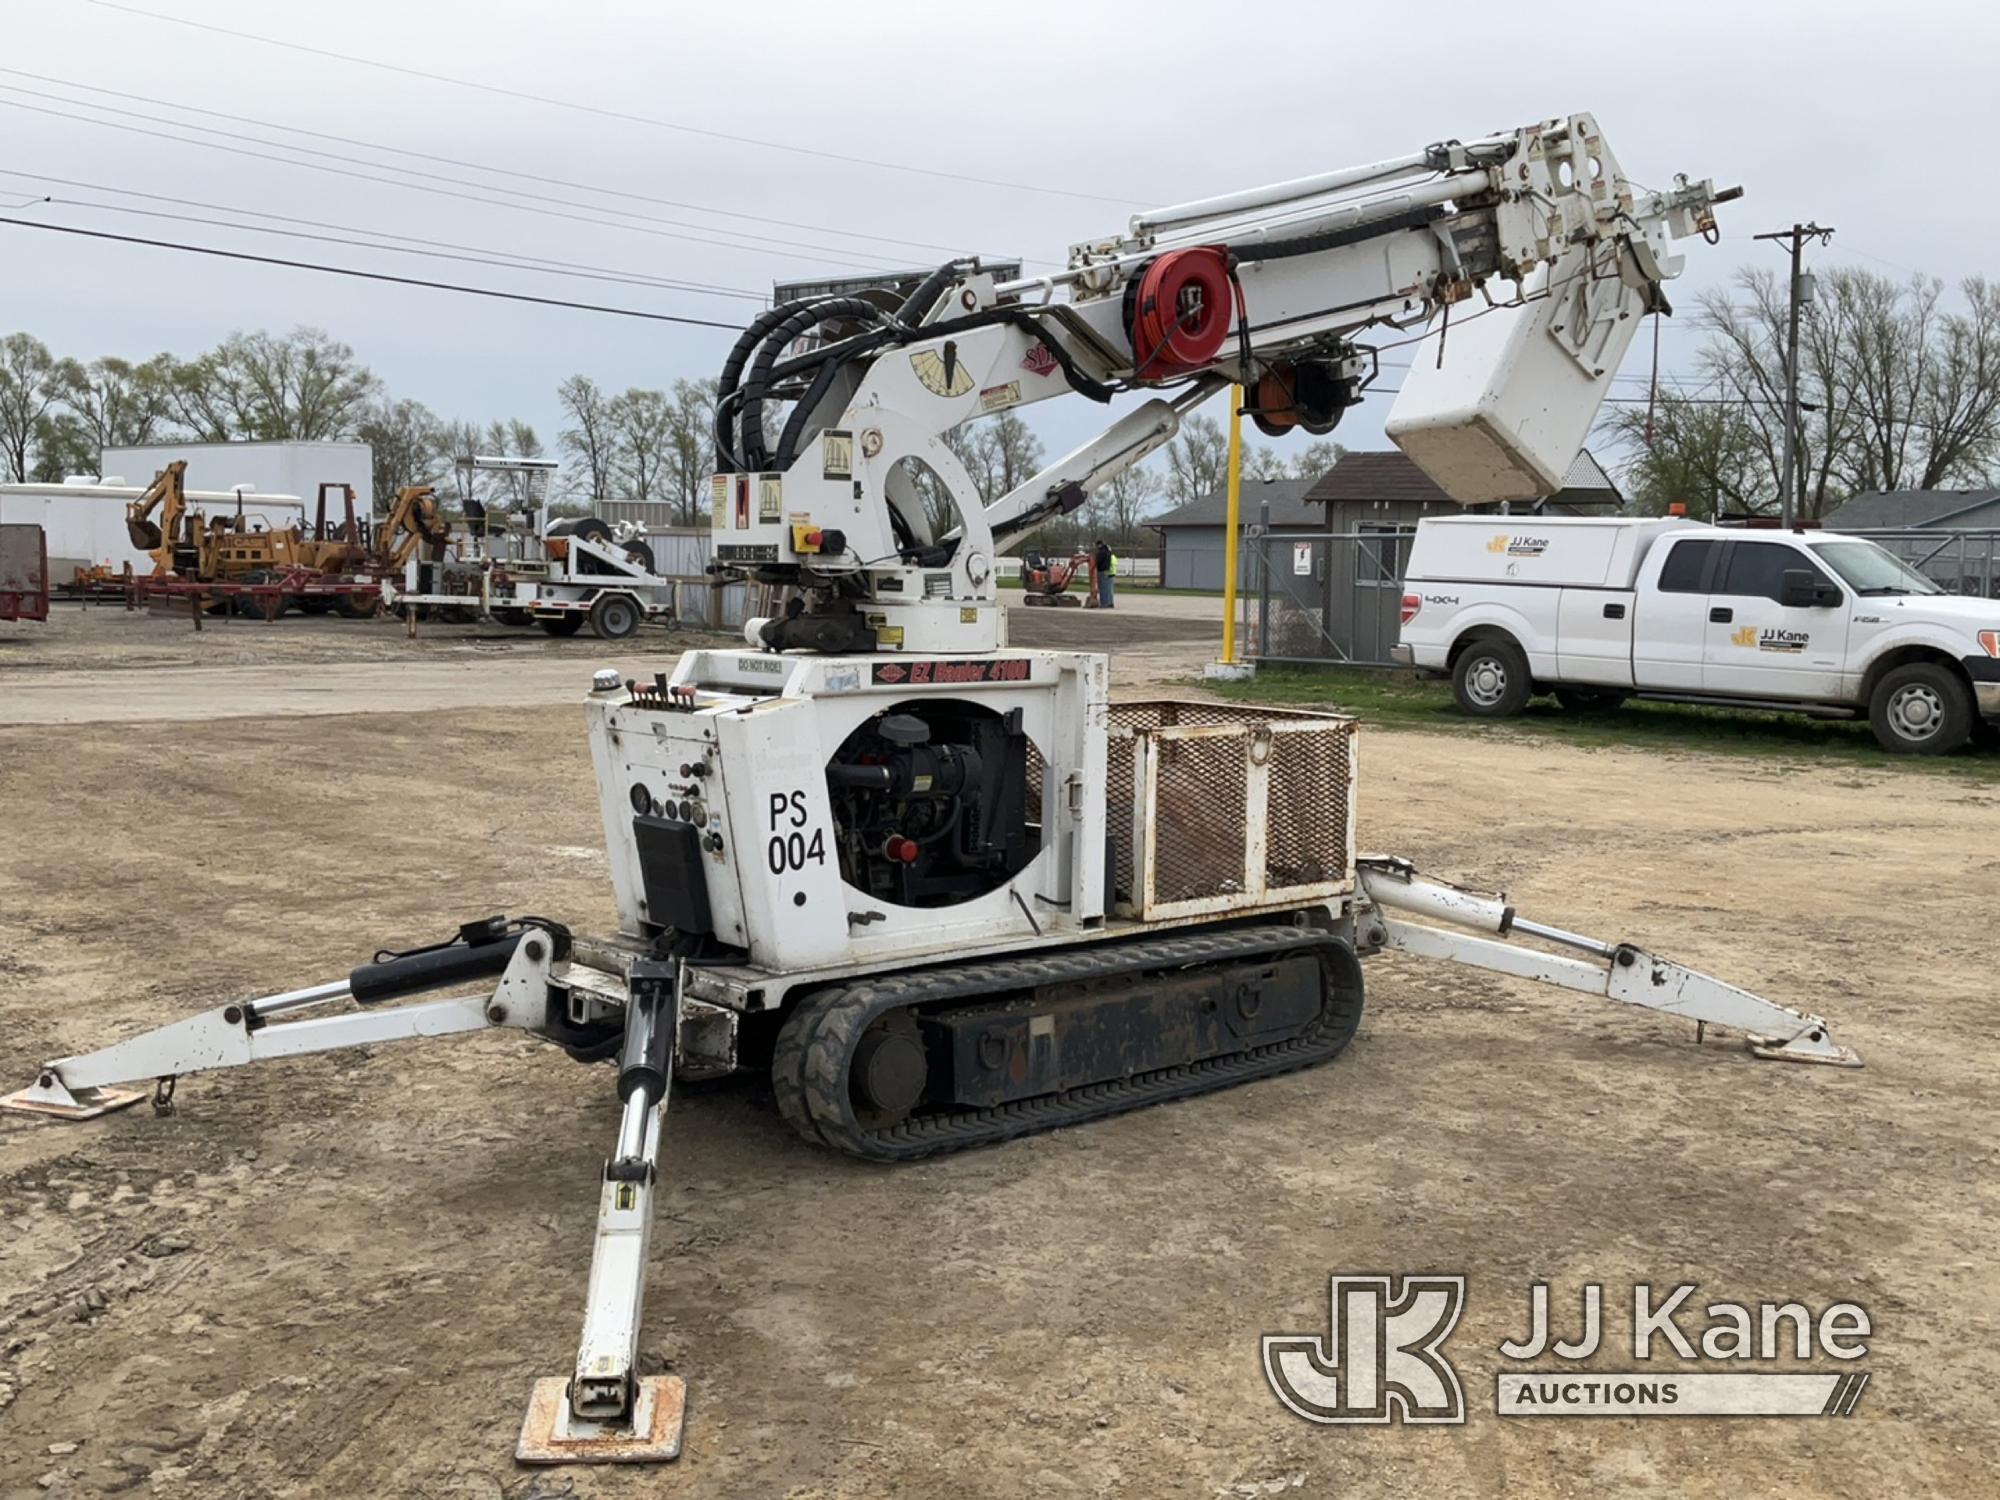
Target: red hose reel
1181 313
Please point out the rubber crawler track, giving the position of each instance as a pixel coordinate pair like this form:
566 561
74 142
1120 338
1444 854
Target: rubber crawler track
809 1068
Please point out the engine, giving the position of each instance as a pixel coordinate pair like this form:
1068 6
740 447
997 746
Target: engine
930 803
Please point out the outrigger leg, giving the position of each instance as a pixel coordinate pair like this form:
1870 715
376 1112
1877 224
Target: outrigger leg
606 1411
242 1032
1617 971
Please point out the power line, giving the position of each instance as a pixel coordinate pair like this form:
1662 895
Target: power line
603 111
304 265
831 254
453 161
526 261
617 278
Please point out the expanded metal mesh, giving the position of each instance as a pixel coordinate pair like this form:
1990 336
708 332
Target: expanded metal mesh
1201 815
1307 839
1127 719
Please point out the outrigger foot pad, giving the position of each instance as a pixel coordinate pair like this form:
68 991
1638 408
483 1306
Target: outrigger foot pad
1809 1047
59 1103
552 1434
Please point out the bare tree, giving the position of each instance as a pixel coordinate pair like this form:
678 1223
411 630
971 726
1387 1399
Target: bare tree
304 386
691 449
407 445
587 438
643 423
1197 460
1123 502
1312 462
999 453
211 401
1897 390
31 386
1703 455
1260 462
117 403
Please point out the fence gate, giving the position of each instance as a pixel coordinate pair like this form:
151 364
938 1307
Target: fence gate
1328 598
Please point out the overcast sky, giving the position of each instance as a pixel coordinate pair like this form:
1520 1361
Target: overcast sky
1011 129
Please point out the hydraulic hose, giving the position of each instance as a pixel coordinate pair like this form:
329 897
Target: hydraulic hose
829 371
732 370
750 416
924 298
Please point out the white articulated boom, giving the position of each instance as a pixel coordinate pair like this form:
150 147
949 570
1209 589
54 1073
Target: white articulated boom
949 892
1537 235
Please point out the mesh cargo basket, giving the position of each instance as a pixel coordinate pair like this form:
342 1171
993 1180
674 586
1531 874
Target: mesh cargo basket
1216 808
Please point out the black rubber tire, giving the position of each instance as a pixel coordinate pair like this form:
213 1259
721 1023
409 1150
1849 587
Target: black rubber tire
360 606
516 618
1490 678
614 617
590 528
562 625
1922 692
1578 700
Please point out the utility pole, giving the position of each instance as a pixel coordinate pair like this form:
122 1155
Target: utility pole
1801 291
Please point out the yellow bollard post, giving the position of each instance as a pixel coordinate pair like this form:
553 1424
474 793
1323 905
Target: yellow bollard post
1228 668
1229 525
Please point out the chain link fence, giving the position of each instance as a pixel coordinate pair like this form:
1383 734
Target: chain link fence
1325 598
1335 598
1959 562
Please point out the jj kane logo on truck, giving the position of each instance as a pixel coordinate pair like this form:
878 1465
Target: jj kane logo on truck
1790 642
1382 1358
1518 546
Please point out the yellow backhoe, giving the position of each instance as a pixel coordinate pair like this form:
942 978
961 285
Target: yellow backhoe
184 543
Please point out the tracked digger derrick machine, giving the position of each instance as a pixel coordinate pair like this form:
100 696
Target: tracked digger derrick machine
945 891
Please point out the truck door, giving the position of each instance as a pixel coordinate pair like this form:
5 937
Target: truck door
1672 625
1759 645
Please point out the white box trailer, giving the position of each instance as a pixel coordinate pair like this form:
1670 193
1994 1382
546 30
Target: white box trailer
283 468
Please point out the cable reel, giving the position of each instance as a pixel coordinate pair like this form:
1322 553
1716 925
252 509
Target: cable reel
1178 316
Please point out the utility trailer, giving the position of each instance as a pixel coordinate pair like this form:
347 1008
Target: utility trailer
517 566
265 595
24 572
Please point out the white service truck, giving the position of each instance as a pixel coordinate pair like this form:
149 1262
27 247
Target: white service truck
1597 610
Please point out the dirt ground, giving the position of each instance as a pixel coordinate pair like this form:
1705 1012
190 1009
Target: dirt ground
338 1277
104 664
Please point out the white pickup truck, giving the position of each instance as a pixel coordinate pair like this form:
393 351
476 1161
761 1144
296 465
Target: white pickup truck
1597 610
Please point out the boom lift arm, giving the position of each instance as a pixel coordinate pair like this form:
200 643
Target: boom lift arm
1276 288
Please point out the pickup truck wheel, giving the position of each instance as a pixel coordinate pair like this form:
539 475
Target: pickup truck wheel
1490 679
1589 700
1921 709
